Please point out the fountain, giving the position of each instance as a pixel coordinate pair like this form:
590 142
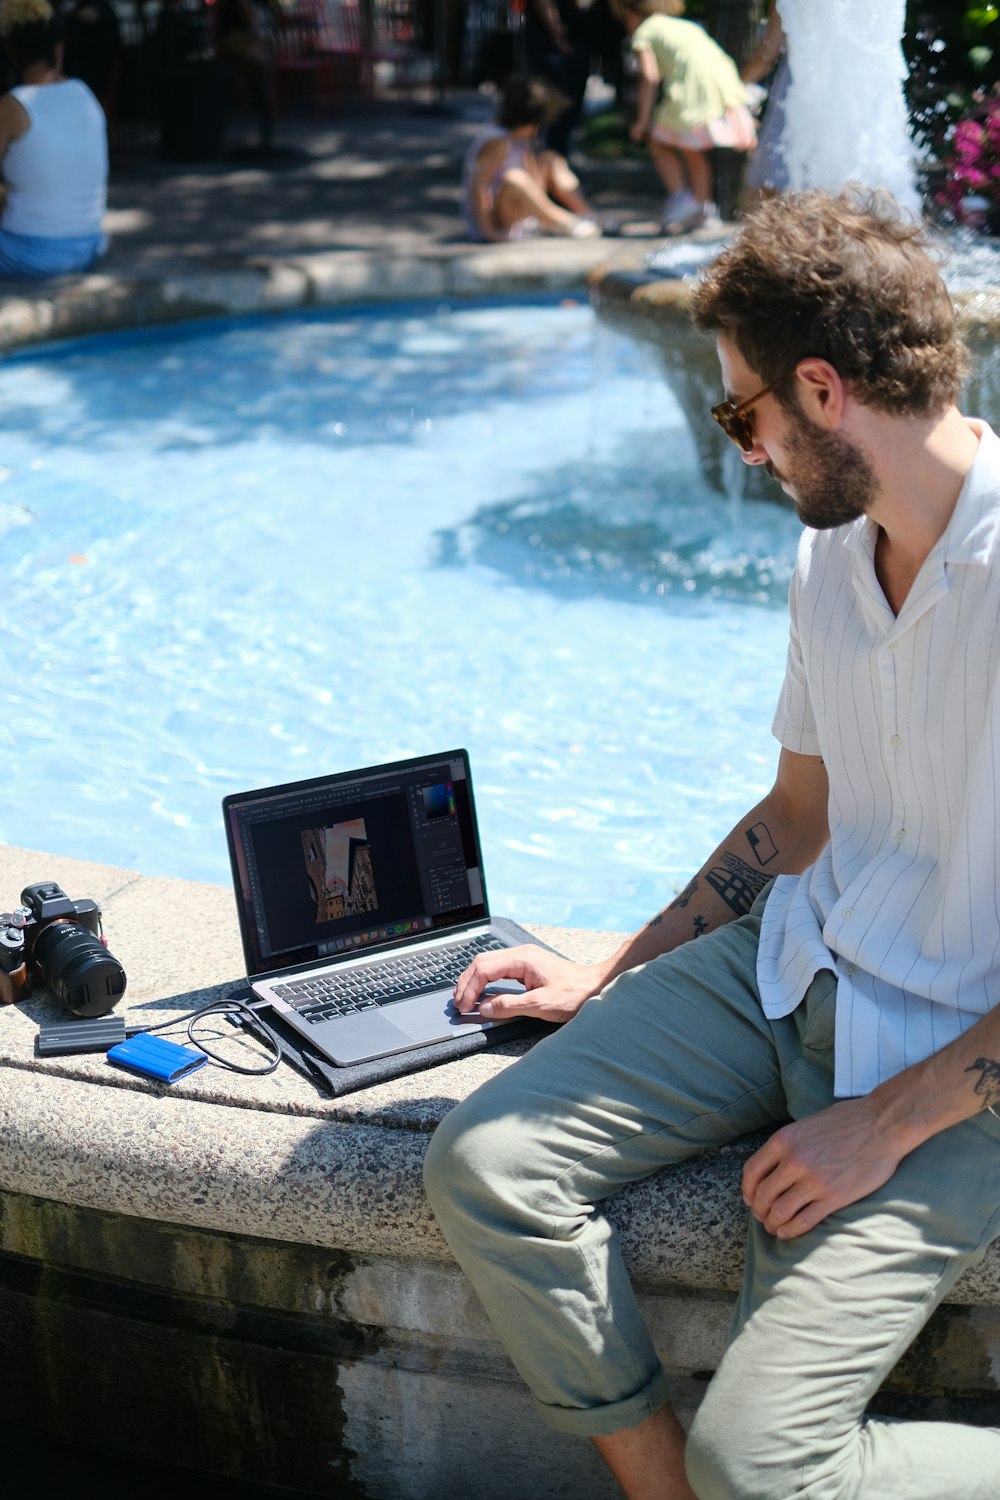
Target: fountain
848 54
845 112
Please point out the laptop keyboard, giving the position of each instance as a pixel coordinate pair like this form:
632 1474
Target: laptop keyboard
323 997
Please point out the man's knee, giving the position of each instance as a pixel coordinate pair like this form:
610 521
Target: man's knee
719 1466
743 1446
708 1461
447 1161
472 1160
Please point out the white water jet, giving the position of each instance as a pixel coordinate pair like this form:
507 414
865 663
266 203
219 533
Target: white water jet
845 112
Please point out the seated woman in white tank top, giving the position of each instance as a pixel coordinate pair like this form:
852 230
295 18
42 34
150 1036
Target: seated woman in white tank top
53 152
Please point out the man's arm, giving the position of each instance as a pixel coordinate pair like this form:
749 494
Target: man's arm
782 835
815 1166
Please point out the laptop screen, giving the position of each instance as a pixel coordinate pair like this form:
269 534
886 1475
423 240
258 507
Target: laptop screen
346 864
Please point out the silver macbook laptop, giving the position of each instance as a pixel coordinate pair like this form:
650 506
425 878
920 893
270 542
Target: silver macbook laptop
361 898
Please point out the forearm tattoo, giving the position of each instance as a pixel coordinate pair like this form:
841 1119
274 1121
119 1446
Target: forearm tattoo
681 900
738 883
988 1083
763 845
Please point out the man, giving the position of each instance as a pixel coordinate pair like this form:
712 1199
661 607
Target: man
851 1005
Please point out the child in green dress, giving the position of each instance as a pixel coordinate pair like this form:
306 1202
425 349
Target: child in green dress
703 105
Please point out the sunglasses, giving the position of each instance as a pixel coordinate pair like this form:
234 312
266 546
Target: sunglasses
736 421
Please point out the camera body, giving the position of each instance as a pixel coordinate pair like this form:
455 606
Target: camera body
52 940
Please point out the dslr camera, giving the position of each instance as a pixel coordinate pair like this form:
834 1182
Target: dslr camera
52 940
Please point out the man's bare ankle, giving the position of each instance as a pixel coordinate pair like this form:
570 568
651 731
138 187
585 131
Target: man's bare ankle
648 1460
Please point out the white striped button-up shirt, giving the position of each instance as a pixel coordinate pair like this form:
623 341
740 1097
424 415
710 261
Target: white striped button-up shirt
903 902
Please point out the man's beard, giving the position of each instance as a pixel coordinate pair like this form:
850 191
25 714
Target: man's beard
832 481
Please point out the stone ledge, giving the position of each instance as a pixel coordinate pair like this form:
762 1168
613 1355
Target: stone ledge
259 1263
267 1156
102 303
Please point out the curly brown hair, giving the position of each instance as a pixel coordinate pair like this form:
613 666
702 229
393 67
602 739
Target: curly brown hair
848 279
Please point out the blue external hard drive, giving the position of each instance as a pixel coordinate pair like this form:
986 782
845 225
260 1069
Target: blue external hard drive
155 1057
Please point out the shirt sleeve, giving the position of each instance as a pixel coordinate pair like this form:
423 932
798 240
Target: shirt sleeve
641 41
793 725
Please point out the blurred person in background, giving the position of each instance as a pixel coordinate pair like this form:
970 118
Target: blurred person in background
511 189
53 152
691 100
92 44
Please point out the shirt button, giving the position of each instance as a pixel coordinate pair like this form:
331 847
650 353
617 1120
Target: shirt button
900 835
850 971
848 913
895 741
892 645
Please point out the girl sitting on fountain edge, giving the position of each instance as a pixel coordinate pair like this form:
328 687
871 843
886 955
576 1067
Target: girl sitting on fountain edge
512 191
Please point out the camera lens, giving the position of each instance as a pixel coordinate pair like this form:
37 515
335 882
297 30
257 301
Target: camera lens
78 969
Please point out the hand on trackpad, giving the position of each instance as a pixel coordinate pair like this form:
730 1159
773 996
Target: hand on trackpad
496 987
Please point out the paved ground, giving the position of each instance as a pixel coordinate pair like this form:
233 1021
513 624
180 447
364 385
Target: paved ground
382 177
356 206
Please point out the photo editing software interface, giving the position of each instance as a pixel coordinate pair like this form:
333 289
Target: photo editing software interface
335 867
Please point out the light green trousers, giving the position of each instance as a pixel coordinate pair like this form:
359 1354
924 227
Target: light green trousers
675 1057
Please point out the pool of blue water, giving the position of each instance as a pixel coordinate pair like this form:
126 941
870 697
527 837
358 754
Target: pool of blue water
242 554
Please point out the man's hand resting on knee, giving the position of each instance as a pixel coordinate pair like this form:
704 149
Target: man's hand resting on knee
554 987
839 1155
814 1166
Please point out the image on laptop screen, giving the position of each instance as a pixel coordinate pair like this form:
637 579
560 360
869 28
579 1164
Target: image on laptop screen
345 864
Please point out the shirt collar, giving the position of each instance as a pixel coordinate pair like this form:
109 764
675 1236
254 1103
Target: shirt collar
973 533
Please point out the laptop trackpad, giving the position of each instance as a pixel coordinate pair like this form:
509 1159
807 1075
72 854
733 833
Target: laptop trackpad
359 1038
429 1018
407 1023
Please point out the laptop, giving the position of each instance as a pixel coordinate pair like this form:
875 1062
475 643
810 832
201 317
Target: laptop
361 898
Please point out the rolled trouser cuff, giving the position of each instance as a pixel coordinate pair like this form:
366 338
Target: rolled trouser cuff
613 1416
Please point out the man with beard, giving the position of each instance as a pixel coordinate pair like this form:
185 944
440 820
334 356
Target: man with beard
843 988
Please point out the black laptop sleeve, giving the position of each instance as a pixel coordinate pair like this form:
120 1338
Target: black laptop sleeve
334 1081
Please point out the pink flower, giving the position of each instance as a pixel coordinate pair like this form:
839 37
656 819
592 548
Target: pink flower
968 132
968 151
968 155
973 162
